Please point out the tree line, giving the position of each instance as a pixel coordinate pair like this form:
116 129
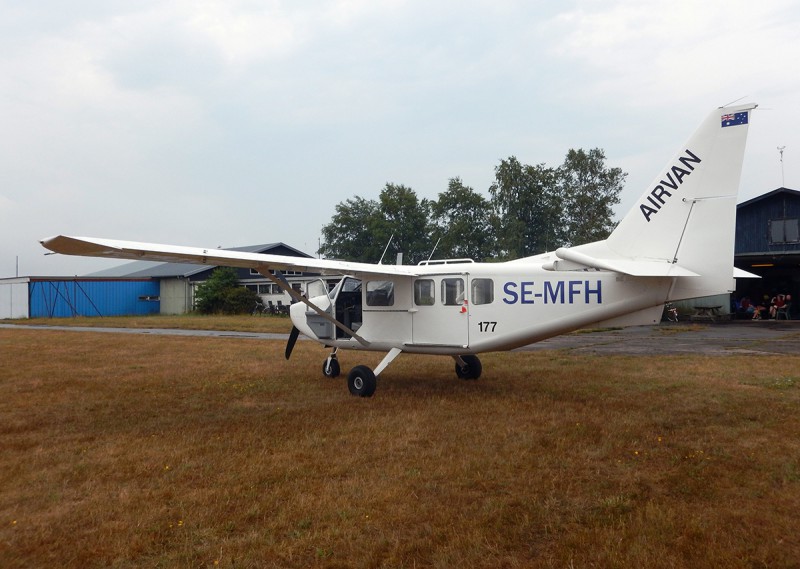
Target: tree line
530 209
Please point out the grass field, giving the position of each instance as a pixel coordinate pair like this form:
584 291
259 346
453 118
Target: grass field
147 451
246 323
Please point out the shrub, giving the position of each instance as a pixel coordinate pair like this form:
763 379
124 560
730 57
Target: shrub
222 294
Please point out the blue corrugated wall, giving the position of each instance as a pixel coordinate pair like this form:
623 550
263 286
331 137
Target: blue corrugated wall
66 298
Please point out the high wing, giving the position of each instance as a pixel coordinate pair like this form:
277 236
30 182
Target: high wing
264 264
92 247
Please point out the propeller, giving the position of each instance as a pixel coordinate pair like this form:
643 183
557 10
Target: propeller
292 339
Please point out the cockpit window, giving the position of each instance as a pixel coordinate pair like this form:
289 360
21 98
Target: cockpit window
351 285
380 293
347 284
316 288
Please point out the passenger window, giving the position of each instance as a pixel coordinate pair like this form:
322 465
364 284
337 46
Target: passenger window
482 291
380 293
452 291
424 292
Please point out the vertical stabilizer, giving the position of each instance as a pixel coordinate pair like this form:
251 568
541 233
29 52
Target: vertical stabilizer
687 215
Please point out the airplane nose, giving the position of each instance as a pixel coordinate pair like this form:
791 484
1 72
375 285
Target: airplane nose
297 314
299 318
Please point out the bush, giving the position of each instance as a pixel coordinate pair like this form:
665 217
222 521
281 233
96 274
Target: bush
238 300
222 294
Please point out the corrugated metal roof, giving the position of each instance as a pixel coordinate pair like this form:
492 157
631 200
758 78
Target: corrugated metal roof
768 195
151 269
154 269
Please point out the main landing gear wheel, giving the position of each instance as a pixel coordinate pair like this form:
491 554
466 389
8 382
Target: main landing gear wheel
331 368
361 381
471 369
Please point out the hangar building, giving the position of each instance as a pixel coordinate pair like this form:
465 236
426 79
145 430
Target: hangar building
768 245
135 288
59 297
177 281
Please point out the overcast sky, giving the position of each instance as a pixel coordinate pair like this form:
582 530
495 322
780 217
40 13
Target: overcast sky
243 122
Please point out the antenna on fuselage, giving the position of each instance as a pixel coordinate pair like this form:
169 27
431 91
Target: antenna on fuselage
733 102
434 249
386 249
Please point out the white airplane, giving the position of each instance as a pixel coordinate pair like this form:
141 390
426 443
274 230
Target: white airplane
676 243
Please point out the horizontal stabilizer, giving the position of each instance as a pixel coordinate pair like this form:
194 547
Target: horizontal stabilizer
740 274
633 267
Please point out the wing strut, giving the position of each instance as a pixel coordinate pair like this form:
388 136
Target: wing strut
278 278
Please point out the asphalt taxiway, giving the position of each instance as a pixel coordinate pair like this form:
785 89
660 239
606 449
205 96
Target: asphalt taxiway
738 337
726 338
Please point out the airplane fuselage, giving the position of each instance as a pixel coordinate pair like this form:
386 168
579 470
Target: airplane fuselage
469 308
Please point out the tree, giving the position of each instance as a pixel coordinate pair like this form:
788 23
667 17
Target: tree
351 233
222 294
361 229
526 209
405 217
462 223
531 210
590 190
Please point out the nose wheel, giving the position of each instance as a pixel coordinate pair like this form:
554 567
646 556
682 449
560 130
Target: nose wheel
330 367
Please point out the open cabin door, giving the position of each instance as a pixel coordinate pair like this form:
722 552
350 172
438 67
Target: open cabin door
342 303
440 313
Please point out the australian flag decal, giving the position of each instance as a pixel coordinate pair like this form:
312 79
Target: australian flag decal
734 119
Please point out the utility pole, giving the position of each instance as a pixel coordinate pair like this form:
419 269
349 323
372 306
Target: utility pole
783 178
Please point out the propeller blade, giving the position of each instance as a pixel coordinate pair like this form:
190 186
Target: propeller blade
292 339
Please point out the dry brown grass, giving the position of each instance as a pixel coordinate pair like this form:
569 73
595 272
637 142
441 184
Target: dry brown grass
207 452
244 323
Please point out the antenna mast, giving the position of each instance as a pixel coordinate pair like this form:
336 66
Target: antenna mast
434 248
386 249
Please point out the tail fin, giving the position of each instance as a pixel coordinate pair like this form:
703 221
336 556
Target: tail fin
686 219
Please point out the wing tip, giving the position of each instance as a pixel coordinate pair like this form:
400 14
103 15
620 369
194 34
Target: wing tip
75 245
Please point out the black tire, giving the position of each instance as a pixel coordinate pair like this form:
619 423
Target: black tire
361 381
333 371
472 368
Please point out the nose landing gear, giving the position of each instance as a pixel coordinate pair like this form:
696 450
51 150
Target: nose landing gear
330 367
